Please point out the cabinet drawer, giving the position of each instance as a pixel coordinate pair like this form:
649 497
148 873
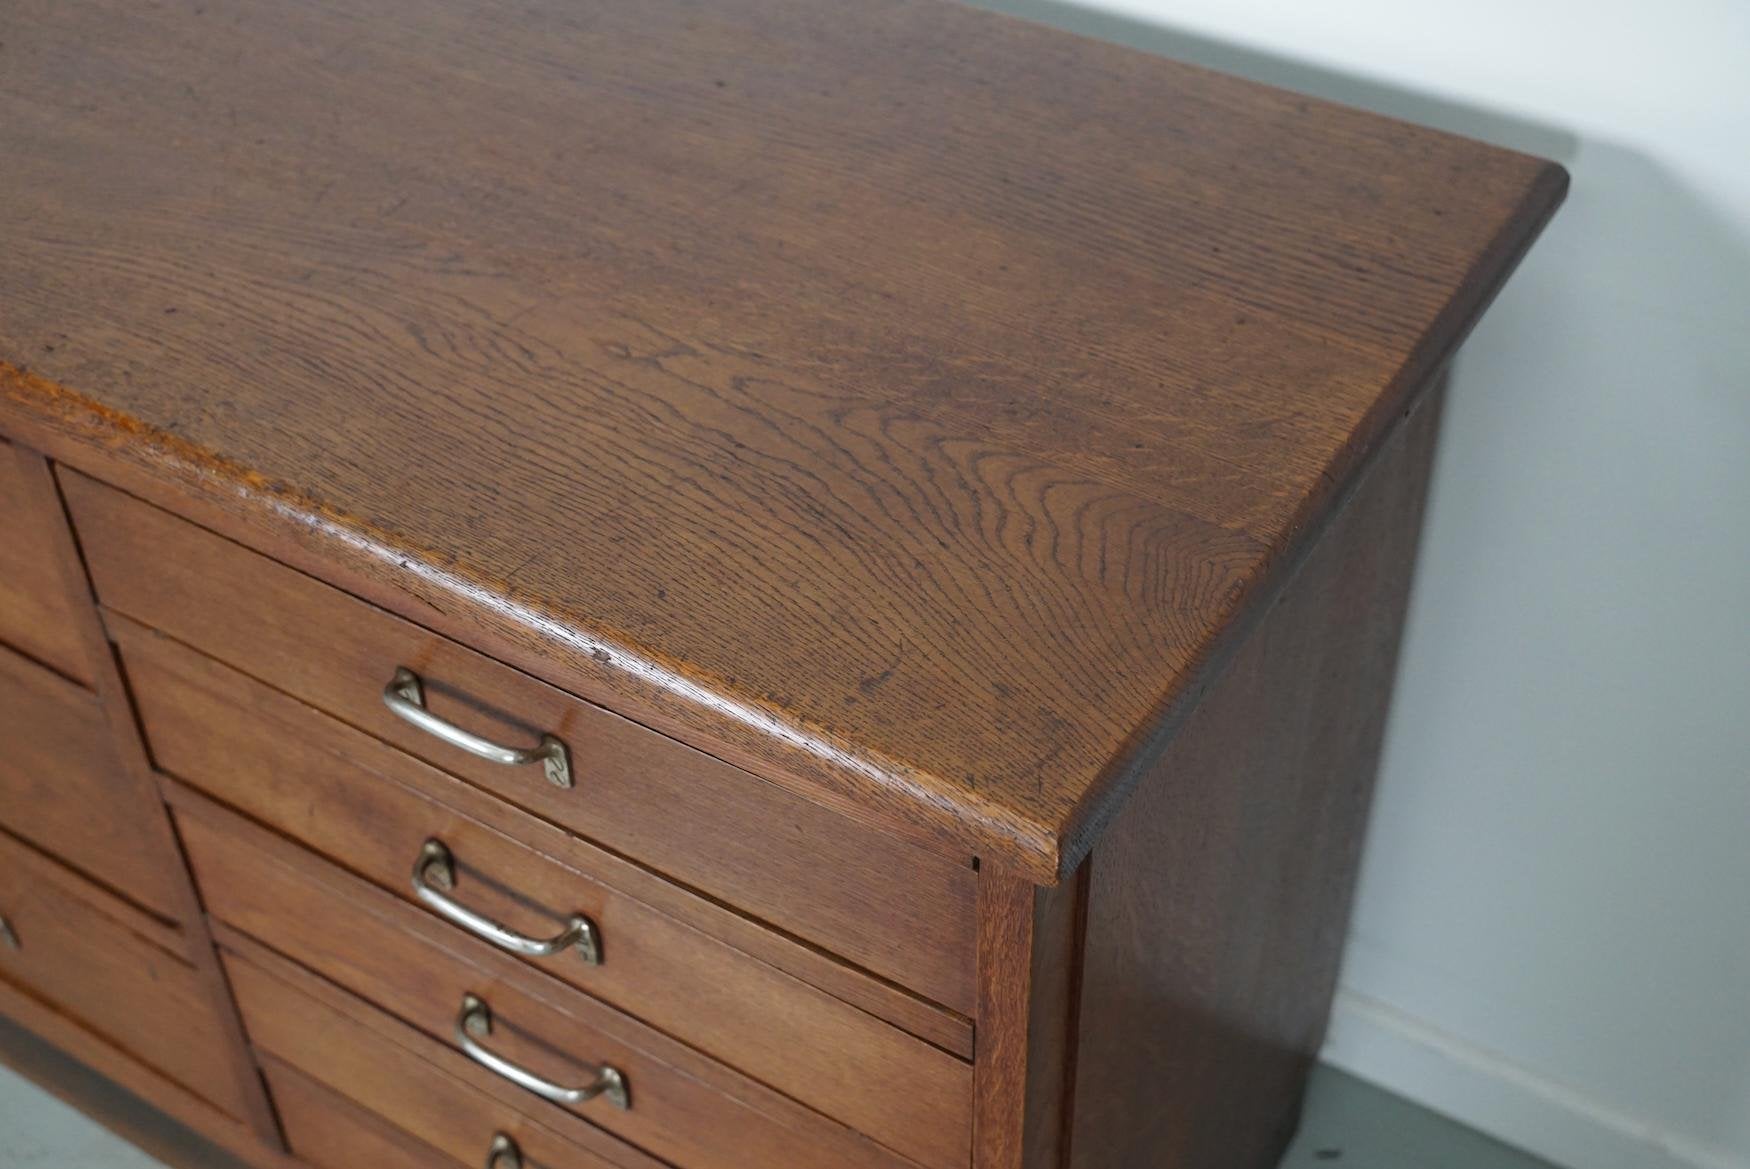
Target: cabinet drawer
885 905
355 800
394 1074
61 790
36 615
685 1107
326 1130
61 948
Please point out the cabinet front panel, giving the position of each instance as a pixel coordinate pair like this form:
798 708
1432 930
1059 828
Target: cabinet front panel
401 1076
60 788
887 907
36 616
60 947
685 1108
328 1131
354 800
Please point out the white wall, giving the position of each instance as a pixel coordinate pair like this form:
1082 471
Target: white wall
1553 934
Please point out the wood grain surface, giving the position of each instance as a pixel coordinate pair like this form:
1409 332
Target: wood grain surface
1029 961
130 782
59 790
879 901
905 401
686 1108
36 615
328 1131
1216 911
899 1091
370 808
86 964
414 1082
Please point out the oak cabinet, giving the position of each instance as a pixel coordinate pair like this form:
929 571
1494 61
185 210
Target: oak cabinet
761 584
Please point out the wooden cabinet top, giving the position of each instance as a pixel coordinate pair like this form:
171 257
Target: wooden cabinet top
904 401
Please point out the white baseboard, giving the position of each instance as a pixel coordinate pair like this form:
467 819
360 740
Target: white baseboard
1486 1091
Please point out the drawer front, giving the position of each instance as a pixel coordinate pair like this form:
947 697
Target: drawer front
60 788
338 792
397 1076
326 1130
60 947
896 910
36 614
685 1107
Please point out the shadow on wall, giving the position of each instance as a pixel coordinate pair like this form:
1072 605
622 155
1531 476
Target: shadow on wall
1270 69
1555 880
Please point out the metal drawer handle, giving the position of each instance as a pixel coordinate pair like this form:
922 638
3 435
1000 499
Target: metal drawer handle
434 870
405 695
8 939
503 1153
476 1020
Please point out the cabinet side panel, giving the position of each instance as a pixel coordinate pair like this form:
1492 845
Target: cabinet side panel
1219 896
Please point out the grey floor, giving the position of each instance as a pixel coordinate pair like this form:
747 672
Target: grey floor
37 1129
1349 1125
1353 1125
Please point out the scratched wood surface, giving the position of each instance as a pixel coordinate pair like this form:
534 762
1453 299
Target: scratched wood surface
903 400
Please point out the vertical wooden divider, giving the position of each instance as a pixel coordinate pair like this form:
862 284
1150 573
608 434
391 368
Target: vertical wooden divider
1029 943
136 774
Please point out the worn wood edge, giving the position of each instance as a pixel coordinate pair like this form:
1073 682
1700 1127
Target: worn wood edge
324 541
273 520
1410 387
1221 1021
169 473
321 541
99 1060
806 961
135 769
